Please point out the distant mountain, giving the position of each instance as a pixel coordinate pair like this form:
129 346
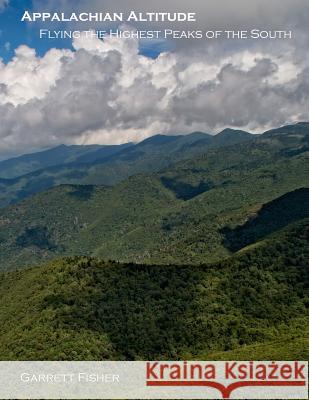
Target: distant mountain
59 155
230 136
299 128
111 164
178 215
96 165
251 306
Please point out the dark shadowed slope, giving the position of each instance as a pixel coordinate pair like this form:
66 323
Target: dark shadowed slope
271 217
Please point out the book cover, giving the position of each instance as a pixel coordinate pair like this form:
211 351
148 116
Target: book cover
154 199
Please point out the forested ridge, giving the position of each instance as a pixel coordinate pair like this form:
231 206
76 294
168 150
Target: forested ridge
188 213
200 254
87 309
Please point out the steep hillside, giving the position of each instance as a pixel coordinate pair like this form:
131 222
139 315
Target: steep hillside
271 217
61 221
85 309
180 215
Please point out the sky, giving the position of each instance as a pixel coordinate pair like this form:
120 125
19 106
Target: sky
85 91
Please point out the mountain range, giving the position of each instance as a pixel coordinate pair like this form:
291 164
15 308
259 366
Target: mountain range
185 213
102 165
177 247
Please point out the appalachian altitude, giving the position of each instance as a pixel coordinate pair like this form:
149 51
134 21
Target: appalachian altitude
108 17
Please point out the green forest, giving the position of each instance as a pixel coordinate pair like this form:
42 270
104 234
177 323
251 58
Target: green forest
87 309
203 255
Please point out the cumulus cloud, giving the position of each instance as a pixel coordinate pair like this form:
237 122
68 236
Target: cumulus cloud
27 76
106 92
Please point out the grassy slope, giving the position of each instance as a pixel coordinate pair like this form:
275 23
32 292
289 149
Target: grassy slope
175 216
85 309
